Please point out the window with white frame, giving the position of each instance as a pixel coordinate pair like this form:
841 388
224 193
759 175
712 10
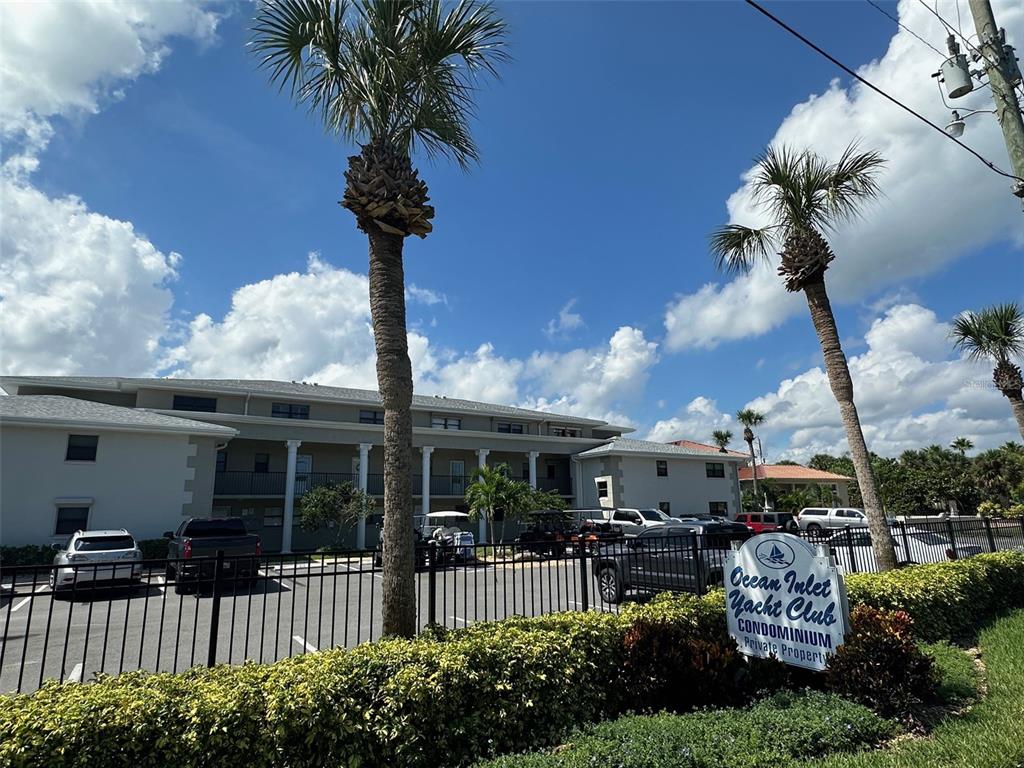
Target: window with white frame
662 468
559 431
714 469
510 428
445 422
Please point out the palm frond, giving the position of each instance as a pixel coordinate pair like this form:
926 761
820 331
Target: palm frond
851 182
995 332
748 417
736 248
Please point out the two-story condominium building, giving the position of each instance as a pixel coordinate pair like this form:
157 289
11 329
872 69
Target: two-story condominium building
269 442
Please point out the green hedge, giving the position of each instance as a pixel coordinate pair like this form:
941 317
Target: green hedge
946 600
36 554
774 732
439 700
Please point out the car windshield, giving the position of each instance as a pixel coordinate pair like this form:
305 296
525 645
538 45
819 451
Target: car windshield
104 543
654 514
203 528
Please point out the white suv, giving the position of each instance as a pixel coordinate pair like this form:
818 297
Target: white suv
822 518
96 556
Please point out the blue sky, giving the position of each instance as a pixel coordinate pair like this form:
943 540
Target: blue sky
609 151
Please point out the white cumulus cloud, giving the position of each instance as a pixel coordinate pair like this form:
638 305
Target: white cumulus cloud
696 421
565 322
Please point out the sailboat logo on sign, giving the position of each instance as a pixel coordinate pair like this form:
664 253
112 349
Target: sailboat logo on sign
775 554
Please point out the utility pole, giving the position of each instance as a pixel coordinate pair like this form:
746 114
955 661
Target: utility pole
1003 75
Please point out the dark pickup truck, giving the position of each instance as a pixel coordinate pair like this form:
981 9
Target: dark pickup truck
192 549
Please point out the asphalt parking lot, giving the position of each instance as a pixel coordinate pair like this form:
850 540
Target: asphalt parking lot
292 608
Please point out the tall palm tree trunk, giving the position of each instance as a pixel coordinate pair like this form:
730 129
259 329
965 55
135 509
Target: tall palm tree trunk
842 387
394 379
1017 403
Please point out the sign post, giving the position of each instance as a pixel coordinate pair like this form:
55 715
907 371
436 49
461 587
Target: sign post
785 599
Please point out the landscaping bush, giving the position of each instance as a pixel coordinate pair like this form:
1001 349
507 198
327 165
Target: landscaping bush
30 554
153 549
880 664
773 732
946 600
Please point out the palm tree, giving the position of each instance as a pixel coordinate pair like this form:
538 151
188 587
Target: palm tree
996 333
722 438
962 445
393 77
487 492
750 418
806 196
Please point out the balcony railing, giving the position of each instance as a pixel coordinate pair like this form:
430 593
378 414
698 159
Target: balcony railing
235 483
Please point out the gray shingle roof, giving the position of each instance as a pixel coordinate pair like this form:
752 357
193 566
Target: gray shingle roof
298 390
69 410
626 445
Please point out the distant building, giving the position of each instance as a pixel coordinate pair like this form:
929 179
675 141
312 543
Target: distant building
142 453
790 477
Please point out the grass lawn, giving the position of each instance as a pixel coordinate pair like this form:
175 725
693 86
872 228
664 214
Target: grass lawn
990 735
819 731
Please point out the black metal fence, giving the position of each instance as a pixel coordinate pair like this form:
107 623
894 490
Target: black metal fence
268 608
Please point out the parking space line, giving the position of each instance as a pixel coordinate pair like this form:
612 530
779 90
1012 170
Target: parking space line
302 641
76 674
21 603
459 618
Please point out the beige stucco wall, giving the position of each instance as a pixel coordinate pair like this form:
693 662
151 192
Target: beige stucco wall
138 481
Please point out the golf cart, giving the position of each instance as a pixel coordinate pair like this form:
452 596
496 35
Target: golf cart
547 532
453 543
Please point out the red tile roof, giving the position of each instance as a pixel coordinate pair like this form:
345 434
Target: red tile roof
695 446
790 472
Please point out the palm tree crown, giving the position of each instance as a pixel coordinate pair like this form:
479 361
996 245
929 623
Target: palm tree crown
399 71
722 438
749 418
804 195
961 445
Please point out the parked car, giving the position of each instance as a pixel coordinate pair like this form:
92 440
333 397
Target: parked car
852 549
91 557
192 547
657 559
760 522
715 534
830 518
632 521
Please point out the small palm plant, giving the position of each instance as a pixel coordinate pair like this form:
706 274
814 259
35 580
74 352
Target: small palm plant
750 418
394 77
806 197
996 333
961 445
722 438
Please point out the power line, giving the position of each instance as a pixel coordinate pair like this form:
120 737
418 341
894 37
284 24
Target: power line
902 26
876 89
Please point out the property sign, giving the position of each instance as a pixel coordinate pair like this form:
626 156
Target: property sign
785 599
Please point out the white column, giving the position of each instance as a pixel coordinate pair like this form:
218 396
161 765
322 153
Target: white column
289 497
364 465
427 450
533 468
481 461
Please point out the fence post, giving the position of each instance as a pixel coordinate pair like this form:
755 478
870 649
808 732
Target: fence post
211 656
697 563
952 539
906 541
584 576
988 532
432 584
850 549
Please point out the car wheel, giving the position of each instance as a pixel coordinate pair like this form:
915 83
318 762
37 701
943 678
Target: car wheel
814 528
609 586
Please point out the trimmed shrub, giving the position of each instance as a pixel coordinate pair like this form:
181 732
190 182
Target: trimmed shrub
947 600
30 554
153 549
880 664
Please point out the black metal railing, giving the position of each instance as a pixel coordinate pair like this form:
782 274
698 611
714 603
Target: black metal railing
71 622
244 483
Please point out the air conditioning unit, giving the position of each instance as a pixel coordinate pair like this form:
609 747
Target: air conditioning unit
605 492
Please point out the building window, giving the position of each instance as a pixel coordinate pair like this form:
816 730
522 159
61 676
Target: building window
665 507
371 417
222 460
445 422
510 429
602 489
720 508
190 403
81 448
289 411
662 468
71 519
273 517
262 463
563 432
715 469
